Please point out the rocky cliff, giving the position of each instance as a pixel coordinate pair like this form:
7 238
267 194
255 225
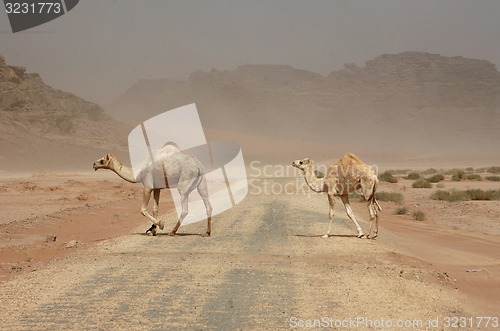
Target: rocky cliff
52 127
411 100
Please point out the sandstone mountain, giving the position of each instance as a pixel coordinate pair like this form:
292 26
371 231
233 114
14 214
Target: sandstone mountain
44 128
407 103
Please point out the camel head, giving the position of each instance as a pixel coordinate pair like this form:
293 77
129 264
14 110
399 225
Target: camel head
104 162
302 164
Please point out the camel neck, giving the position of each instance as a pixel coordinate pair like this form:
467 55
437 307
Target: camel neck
123 171
316 184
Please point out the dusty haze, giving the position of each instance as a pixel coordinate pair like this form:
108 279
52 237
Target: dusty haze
102 47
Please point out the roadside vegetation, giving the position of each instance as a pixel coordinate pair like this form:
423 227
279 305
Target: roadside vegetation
390 196
402 211
421 183
387 176
413 176
436 178
418 215
467 195
493 178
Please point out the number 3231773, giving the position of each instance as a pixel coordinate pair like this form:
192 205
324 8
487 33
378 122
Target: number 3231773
33 8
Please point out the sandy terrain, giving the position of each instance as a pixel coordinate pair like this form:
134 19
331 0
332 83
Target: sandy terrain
265 266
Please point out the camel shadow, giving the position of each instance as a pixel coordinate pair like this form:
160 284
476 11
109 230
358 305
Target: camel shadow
321 236
165 234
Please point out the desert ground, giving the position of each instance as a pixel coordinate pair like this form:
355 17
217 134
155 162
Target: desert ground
74 255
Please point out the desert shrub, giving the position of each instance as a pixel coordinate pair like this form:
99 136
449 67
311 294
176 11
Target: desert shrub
389 196
413 176
469 169
458 175
477 194
429 171
451 195
440 185
436 178
421 183
473 177
388 177
418 215
401 211
471 194
493 178
494 170
398 171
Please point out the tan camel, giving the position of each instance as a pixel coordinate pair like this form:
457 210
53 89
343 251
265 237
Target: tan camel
170 168
350 174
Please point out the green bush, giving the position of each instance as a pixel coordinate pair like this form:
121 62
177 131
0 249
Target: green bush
388 177
436 178
493 178
390 196
421 183
418 215
413 176
401 211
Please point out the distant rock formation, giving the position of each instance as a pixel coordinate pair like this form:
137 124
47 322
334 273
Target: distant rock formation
431 102
415 79
32 112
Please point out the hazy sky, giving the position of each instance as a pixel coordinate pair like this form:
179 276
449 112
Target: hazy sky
102 47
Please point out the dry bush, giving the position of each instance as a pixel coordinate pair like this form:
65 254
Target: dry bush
493 178
436 178
421 183
418 215
387 177
401 211
494 170
390 196
471 194
413 176
473 177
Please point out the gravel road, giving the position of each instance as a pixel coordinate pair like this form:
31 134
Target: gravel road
265 267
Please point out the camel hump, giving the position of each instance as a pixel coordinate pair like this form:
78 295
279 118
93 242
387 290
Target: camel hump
171 143
350 156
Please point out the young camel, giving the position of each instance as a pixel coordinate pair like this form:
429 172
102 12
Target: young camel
170 168
350 174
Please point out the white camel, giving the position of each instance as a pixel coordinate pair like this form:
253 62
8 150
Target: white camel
348 175
169 168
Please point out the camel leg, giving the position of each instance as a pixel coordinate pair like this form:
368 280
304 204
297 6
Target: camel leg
184 212
331 203
376 208
203 191
350 213
373 217
156 207
144 209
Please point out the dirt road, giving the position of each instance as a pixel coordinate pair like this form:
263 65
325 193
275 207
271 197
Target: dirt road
265 267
